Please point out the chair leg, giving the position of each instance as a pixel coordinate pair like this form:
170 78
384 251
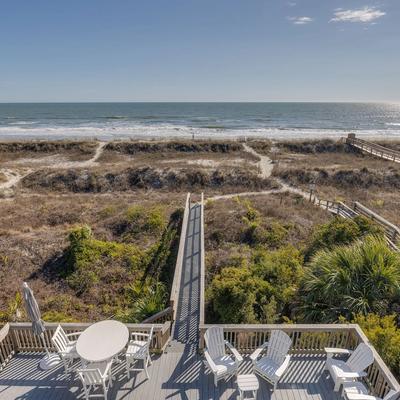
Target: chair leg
86 392
338 382
145 368
128 371
105 391
151 362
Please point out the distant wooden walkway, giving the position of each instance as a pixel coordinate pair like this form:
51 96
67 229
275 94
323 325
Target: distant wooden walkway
374 149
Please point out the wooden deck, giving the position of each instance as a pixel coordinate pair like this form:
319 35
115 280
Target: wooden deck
173 376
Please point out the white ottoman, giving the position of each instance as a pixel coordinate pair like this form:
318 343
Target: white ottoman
247 383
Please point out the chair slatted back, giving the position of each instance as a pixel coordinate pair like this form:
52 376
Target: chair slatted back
278 346
60 340
90 376
149 339
392 395
215 342
362 358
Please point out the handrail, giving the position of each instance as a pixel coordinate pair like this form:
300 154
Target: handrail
160 317
202 262
395 230
179 260
311 339
374 148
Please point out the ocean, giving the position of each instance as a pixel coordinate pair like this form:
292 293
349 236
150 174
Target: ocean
106 121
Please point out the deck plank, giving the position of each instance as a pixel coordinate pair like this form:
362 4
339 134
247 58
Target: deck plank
172 376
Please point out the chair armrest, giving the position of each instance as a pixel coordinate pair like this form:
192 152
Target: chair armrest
258 352
357 396
330 351
351 375
281 370
73 334
235 353
210 361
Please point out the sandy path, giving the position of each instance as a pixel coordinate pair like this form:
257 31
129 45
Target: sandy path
265 163
80 164
265 166
14 177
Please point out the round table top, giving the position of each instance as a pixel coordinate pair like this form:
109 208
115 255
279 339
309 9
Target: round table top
102 341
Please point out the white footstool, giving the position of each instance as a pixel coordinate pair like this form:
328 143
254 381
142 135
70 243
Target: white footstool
247 383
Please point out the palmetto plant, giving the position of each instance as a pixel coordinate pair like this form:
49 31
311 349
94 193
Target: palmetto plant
148 298
356 279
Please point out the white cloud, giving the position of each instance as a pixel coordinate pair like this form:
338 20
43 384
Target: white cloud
291 4
366 14
300 20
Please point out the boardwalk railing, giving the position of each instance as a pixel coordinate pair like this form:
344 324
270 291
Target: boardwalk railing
373 148
202 262
176 283
18 337
311 339
169 313
392 232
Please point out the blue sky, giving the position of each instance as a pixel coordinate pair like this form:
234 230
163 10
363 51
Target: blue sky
200 50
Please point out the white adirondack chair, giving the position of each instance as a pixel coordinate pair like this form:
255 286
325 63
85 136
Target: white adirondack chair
96 375
221 364
139 349
66 348
353 368
273 365
358 391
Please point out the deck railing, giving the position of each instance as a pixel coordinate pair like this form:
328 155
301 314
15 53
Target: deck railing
311 339
179 259
18 337
160 317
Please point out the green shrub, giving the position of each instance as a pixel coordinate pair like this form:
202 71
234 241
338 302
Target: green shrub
57 316
146 299
282 271
360 278
384 336
145 220
340 231
232 295
86 257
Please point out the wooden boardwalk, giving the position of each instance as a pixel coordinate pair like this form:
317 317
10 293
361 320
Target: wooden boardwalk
374 149
173 376
185 332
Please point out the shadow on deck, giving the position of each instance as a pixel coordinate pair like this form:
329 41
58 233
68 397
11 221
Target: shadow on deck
172 376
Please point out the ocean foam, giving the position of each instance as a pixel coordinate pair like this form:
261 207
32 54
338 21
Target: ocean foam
143 131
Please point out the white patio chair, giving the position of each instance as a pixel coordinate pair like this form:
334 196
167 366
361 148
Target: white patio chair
353 368
273 365
358 391
221 364
139 349
66 348
95 375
